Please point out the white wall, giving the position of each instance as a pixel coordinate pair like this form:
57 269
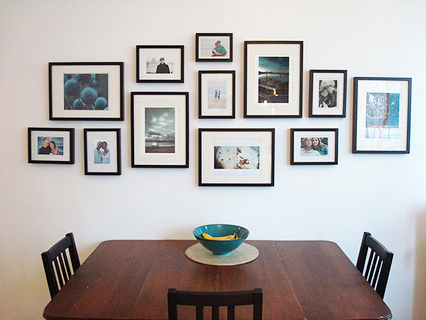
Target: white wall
39 203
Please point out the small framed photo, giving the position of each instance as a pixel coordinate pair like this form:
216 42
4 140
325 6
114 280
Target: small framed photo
213 47
159 129
51 145
382 115
86 91
327 93
273 79
236 157
102 151
160 64
216 94
313 146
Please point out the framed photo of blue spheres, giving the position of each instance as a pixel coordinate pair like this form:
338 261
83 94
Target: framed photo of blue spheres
86 91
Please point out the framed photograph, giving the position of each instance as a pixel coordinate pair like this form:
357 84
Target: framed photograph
160 129
160 64
273 79
216 94
213 47
236 157
313 146
382 108
102 151
86 91
327 93
51 145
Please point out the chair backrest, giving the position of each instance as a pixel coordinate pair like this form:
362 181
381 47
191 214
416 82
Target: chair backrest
377 268
215 300
56 262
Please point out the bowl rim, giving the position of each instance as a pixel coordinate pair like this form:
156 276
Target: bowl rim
223 224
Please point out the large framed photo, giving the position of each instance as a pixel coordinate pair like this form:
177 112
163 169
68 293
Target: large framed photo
236 157
382 108
313 146
327 93
164 63
159 129
216 94
51 145
102 151
86 91
273 79
213 47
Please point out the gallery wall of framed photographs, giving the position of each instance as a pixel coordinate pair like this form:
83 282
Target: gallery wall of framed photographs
159 121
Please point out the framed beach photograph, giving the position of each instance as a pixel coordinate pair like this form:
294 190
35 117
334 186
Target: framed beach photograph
236 157
273 79
51 145
327 93
86 91
160 129
102 151
382 115
164 63
216 94
313 146
213 47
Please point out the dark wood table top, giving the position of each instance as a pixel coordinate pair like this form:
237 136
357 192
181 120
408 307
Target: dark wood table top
129 279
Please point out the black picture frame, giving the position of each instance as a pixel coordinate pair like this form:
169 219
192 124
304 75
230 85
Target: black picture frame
327 93
309 146
216 94
164 145
382 115
91 91
160 63
205 47
96 161
273 79
241 157
51 145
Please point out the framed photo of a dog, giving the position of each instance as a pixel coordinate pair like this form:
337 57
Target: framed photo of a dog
236 157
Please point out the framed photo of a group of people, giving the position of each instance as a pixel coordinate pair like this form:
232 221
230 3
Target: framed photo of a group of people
102 151
313 146
382 115
51 145
327 93
86 91
213 47
273 79
163 63
236 157
159 129
216 94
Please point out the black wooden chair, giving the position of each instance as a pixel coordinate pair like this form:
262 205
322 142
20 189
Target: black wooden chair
215 300
60 262
377 268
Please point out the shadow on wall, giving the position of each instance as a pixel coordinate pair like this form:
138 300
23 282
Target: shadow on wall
419 304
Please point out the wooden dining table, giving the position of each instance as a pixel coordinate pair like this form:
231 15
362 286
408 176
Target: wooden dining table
129 279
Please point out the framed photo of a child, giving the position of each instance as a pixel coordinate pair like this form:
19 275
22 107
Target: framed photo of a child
213 47
216 94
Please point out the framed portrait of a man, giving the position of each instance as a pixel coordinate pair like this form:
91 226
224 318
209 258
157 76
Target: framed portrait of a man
163 63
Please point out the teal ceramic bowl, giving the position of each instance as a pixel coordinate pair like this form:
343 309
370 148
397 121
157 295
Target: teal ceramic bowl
221 247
